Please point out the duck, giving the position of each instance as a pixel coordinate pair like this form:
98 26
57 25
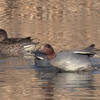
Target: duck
16 46
67 60
17 49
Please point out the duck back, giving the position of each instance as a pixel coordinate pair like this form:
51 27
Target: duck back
70 61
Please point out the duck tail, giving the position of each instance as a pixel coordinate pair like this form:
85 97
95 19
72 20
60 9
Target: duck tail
90 51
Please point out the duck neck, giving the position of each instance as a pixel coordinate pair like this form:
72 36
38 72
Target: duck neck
51 56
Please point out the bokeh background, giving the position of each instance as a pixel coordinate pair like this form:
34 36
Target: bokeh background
65 24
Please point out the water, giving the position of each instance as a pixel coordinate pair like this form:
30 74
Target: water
66 24
21 80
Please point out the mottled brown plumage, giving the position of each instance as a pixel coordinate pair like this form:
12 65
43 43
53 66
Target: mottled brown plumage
15 46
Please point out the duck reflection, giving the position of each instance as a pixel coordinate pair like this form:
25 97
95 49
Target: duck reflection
63 79
73 80
64 82
46 73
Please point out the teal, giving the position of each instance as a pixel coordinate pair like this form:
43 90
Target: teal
72 60
15 46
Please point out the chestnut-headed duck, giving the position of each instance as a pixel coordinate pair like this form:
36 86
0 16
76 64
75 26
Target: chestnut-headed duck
72 60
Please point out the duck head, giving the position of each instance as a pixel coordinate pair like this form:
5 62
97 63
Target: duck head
41 60
3 34
47 50
27 49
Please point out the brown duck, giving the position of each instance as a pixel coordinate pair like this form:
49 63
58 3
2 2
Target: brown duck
15 46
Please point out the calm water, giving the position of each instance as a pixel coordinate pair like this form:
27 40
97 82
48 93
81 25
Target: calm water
66 24
20 80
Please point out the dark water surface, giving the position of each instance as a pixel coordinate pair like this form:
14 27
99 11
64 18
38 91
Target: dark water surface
20 80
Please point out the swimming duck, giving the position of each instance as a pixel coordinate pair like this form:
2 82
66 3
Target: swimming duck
15 46
72 60
17 49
